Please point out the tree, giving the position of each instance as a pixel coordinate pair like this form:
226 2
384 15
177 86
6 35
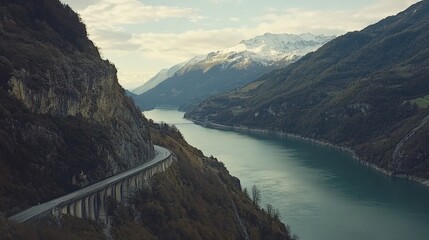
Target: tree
246 193
256 195
273 213
276 214
270 210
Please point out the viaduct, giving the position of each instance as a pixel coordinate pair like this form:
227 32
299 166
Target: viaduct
91 202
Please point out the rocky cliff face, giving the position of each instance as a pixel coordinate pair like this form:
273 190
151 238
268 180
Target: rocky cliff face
92 92
65 120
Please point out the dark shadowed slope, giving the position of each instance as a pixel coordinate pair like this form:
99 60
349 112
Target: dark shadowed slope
65 122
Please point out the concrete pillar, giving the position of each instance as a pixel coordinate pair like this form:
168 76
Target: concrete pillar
78 208
87 206
101 199
64 209
140 180
109 190
118 192
134 181
163 166
71 209
93 207
125 188
146 175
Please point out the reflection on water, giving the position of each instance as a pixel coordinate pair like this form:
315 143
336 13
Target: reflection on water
322 193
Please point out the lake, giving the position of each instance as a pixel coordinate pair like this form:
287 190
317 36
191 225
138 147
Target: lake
321 193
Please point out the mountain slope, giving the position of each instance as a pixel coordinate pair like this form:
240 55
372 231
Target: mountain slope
195 198
60 128
161 76
228 69
65 122
365 90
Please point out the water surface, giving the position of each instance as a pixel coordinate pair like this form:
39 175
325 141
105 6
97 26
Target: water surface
322 193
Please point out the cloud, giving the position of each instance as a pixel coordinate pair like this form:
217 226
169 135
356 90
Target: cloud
114 39
80 4
335 22
108 22
108 14
383 8
180 47
132 80
226 1
300 21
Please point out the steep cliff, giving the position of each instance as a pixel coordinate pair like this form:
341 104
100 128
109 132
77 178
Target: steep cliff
196 198
366 90
65 120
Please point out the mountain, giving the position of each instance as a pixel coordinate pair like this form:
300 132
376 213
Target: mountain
161 76
270 49
188 83
158 78
367 91
62 110
65 122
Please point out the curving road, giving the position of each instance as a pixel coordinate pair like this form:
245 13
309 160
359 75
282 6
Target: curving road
161 154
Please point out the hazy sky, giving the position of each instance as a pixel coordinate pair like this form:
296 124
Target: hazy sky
143 36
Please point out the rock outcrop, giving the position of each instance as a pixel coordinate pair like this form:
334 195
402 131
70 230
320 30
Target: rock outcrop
63 112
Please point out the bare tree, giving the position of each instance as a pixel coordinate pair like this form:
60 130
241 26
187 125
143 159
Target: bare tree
270 210
246 193
256 195
276 214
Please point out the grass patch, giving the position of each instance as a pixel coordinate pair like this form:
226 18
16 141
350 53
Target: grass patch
251 86
421 102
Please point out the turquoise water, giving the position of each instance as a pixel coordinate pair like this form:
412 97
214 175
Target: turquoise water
322 193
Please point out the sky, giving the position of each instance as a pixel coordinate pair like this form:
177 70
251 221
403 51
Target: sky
141 37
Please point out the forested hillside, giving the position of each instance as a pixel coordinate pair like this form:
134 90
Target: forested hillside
367 90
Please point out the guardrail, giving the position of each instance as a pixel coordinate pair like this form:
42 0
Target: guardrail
90 202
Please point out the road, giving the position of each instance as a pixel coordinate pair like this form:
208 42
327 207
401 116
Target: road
160 155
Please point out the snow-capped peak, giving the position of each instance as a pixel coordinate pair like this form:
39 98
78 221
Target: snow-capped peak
275 47
268 50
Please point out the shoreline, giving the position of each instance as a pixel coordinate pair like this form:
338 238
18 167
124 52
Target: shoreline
244 129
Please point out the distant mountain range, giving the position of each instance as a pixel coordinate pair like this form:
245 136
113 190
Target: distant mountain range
161 76
189 82
366 90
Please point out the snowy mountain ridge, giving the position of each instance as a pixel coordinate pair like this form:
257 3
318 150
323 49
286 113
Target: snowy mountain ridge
265 50
164 74
270 47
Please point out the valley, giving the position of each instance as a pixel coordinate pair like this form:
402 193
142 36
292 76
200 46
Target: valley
321 192
261 123
365 90
186 84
